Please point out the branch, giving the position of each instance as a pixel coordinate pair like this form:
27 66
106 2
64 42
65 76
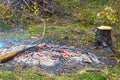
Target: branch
26 4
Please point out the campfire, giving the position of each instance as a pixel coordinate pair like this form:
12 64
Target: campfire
50 57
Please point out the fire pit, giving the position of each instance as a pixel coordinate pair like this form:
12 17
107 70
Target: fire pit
52 58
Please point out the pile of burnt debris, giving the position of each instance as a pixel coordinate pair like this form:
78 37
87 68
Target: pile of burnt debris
50 57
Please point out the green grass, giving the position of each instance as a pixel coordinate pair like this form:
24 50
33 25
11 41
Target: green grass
84 76
68 33
35 74
19 75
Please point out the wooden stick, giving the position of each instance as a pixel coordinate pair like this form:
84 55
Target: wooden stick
7 56
10 55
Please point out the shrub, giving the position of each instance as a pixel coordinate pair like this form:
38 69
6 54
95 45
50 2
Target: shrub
9 18
107 15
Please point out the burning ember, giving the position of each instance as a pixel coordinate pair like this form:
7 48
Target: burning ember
52 58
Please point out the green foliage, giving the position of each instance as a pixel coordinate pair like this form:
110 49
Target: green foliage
95 12
107 15
88 12
114 73
88 16
118 49
35 10
5 15
9 18
70 3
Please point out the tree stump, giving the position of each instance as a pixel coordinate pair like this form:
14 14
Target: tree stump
103 37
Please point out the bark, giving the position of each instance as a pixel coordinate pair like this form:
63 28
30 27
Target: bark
8 56
103 37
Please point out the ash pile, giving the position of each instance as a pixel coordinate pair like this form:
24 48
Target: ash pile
52 58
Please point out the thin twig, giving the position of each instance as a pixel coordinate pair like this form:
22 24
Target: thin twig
44 27
26 4
43 34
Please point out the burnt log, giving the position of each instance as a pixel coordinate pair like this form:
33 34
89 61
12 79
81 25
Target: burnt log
8 56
